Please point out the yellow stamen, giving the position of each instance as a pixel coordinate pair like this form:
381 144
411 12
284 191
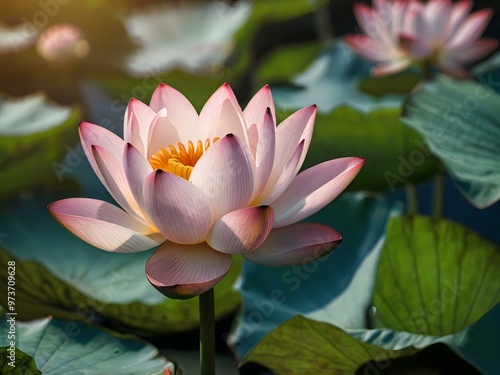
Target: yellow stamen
180 159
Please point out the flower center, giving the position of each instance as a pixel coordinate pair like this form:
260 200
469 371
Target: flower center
180 159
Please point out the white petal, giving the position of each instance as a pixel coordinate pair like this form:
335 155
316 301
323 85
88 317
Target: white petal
137 168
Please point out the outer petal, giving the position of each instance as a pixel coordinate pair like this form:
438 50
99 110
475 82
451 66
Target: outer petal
241 231
368 48
180 111
471 29
289 172
296 128
299 243
459 12
258 106
225 175
178 209
137 168
104 226
437 15
474 52
373 26
265 152
113 177
313 189
138 120
91 134
185 271
391 67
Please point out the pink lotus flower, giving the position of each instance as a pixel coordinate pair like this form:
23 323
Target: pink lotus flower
207 187
62 43
400 33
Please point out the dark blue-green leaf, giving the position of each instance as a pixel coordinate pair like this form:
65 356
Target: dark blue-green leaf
61 347
460 123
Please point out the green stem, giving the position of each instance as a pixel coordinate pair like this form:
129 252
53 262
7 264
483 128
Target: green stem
411 199
426 70
323 25
207 333
438 194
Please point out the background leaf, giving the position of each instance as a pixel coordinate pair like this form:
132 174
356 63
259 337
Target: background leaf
33 136
66 348
460 124
435 277
304 346
332 80
192 36
22 364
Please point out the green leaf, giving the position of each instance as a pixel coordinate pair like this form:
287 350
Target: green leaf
200 35
304 346
265 13
17 362
331 81
282 65
459 121
394 153
34 134
435 277
65 347
385 85
196 88
58 274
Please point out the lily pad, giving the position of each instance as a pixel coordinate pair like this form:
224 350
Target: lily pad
304 346
190 36
477 343
62 347
337 288
459 121
282 65
435 277
61 275
18 363
34 134
333 80
16 38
